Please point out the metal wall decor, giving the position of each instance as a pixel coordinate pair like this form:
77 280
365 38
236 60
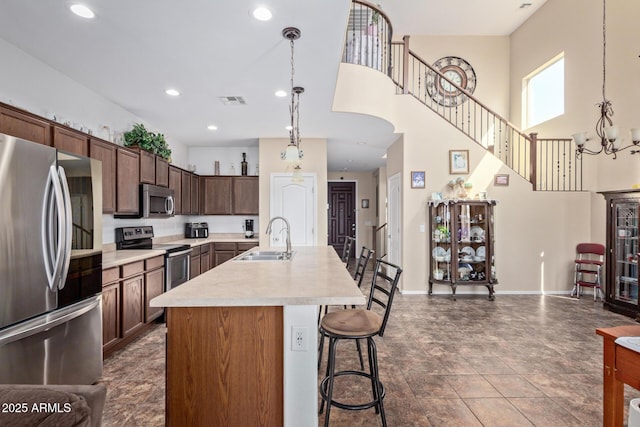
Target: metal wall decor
458 74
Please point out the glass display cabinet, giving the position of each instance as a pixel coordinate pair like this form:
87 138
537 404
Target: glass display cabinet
621 291
462 244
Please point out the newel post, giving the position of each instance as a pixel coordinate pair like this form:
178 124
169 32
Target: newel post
533 173
405 65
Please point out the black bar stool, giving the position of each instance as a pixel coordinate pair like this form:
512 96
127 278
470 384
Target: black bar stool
356 324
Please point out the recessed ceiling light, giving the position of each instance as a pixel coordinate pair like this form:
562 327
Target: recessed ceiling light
281 93
361 143
82 11
262 13
172 92
212 127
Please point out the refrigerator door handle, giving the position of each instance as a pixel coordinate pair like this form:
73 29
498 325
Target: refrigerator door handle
53 204
51 321
68 227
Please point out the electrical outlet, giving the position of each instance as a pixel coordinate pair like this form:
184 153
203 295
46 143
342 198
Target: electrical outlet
299 338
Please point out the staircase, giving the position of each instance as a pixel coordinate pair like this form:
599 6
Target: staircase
549 164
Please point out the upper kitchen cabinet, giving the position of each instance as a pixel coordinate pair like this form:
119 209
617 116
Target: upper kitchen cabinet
71 141
175 183
25 126
162 172
147 167
127 181
246 195
106 153
186 192
195 194
216 195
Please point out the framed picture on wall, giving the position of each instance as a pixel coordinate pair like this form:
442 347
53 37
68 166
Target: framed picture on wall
417 179
501 179
365 203
458 161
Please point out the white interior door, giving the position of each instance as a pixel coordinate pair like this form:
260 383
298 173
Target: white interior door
295 201
393 219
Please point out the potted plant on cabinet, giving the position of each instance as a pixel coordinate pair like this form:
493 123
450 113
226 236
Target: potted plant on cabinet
153 142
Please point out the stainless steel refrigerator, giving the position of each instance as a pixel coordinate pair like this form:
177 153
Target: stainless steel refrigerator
50 265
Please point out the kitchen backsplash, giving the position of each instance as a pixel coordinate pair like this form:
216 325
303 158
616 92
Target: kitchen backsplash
175 226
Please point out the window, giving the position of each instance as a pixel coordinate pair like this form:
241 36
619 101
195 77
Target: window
544 93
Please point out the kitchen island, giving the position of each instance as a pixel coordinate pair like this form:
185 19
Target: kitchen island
230 357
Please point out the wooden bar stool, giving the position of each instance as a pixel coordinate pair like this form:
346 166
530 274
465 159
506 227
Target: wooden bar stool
356 324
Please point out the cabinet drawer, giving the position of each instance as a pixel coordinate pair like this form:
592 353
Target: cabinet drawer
153 263
204 248
195 250
224 246
110 275
132 269
246 246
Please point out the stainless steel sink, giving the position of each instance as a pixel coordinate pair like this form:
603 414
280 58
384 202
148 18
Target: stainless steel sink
263 256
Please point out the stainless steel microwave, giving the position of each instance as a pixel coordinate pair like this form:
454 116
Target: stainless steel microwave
156 201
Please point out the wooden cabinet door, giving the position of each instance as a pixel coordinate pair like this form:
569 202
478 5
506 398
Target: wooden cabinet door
24 126
175 183
195 266
246 195
147 167
154 286
127 181
70 141
223 256
110 315
132 304
106 153
162 172
195 194
205 259
186 192
216 195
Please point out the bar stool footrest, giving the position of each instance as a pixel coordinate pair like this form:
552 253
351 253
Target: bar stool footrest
351 407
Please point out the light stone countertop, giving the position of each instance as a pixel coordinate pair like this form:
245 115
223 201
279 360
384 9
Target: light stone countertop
114 258
315 276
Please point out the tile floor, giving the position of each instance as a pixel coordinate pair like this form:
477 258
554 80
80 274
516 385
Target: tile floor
515 361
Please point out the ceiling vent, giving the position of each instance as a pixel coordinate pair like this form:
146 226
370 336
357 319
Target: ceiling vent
232 100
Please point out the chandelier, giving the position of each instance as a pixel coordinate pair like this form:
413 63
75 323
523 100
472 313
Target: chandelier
606 131
293 153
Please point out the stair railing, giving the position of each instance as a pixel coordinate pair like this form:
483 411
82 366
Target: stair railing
549 164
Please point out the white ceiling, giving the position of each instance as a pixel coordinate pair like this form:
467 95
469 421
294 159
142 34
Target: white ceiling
135 49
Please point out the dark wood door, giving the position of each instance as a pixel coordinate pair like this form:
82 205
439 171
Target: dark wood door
342 214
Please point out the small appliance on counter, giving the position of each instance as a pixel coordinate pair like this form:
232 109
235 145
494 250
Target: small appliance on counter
248 228
196 230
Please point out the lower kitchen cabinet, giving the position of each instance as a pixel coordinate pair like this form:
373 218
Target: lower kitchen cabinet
126 292
205 258
195 262
224 251
110 315
153 286
132 304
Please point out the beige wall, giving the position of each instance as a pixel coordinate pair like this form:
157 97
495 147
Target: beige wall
365 217
575 28
536 233
314 161
488 55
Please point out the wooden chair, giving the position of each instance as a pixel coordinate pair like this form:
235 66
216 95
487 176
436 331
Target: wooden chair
588 269
356 324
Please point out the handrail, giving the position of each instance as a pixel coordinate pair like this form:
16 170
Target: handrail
548 164
379 241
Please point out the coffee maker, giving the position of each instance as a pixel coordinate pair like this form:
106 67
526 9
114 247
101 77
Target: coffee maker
248 228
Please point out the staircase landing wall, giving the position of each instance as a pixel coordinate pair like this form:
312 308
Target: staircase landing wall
536 232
